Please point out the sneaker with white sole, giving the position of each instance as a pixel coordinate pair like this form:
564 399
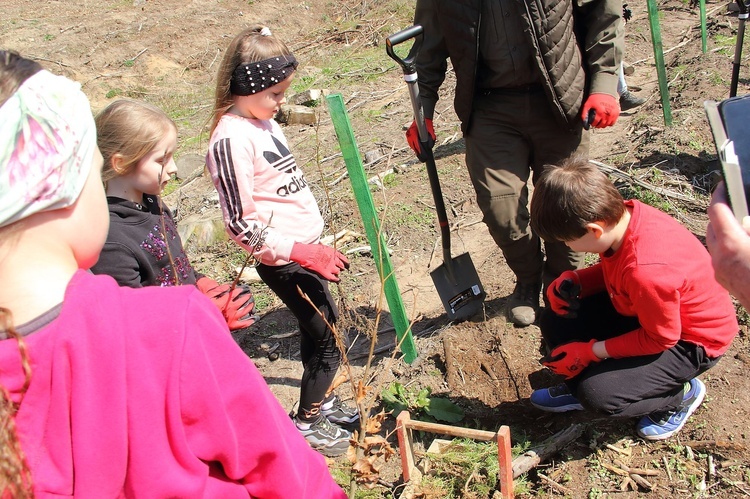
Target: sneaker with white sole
663 424
555 399
324 436
336 412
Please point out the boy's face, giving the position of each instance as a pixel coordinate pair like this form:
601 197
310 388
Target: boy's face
262 105
594 241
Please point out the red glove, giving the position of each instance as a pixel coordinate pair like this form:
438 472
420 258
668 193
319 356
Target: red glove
236 305
239 308
324 260
570 359
412 137
564 293
605 109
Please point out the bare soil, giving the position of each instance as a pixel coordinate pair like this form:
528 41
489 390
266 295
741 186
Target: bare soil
167 53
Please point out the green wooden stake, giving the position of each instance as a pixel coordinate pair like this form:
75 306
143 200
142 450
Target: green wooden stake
704 36
653 19
350 151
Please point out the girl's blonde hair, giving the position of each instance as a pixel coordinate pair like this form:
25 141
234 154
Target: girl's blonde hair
15 477
129 129
251 45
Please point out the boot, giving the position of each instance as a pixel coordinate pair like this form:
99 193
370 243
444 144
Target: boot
523 304
629 101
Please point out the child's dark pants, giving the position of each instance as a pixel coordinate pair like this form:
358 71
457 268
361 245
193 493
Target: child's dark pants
631 386
320 355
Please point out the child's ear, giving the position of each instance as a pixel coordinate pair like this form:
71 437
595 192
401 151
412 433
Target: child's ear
116 163
596 228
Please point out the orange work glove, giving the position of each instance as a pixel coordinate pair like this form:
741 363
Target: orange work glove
324 260
236 305
600 110
570 359
412 137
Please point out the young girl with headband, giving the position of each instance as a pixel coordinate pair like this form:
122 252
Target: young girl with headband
143 248
271 212
109 391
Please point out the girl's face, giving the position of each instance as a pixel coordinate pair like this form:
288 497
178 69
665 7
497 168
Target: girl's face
92 214
154 170
262 105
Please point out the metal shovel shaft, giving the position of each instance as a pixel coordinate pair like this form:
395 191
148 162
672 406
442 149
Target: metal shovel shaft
410 77
743 15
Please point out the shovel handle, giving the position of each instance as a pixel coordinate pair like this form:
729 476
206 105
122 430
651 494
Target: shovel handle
407 63
409 67
410 77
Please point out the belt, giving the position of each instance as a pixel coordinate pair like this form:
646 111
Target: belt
521 89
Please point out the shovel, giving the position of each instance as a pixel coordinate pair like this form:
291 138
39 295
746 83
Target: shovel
456 279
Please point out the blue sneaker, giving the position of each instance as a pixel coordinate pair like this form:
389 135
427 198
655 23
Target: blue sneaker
663 424
555 399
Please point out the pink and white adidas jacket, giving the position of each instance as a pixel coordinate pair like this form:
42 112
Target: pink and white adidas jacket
265 199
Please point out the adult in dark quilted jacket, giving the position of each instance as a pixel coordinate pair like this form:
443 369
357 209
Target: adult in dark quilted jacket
526 75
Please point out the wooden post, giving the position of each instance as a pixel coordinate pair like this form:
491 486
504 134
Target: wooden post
661 73
505 462
405 444
404 426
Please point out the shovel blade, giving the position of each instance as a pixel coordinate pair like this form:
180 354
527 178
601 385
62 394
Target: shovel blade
459 288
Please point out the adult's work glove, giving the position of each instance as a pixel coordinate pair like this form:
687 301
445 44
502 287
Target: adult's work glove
236 305
412 137
564 293
570 359
600 110
324 260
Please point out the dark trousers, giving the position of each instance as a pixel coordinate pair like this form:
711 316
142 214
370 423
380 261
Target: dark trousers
513 134
320 354
631 386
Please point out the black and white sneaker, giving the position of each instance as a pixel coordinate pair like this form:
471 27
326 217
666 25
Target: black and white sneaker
336 412
325 437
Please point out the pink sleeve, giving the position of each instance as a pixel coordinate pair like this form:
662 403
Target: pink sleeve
232 420
236 173
656 301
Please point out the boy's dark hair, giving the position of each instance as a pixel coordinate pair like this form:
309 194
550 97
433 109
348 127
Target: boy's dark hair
570 195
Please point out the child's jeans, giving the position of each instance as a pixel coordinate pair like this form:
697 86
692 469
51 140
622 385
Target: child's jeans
631 386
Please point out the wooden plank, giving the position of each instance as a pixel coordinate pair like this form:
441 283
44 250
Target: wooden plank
505 461
405 444
455 431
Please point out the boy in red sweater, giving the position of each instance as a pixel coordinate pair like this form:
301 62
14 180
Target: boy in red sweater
631 333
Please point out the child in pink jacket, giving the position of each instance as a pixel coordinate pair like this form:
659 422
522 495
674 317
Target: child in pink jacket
109 391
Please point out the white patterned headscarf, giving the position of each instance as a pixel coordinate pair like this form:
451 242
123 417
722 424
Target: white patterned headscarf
47 145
